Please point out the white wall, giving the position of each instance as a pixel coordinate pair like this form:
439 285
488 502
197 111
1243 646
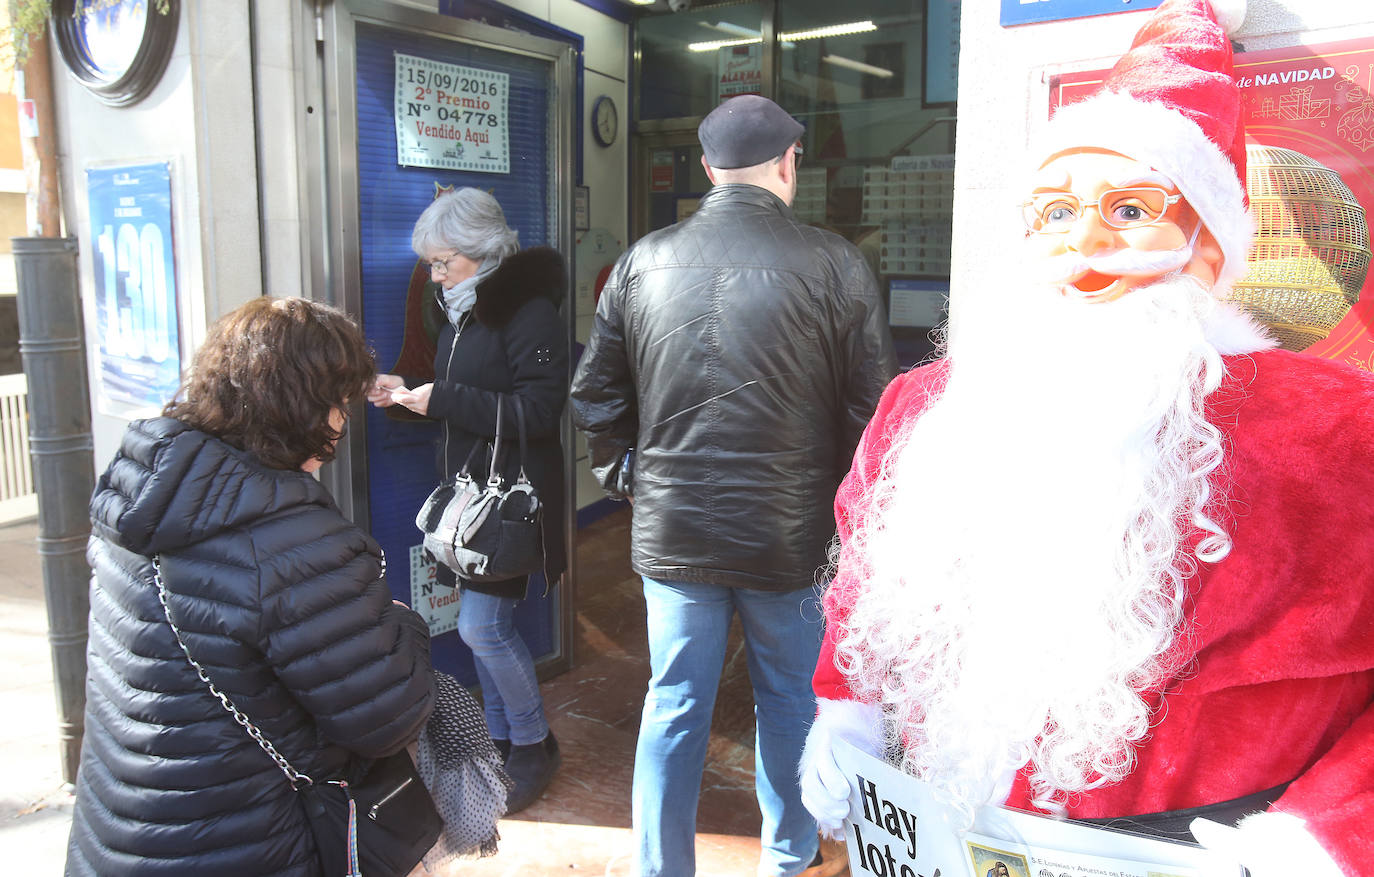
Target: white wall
199 120
285 45
605 169
1004 93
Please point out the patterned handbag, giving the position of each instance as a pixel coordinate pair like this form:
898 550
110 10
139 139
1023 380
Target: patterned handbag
486 531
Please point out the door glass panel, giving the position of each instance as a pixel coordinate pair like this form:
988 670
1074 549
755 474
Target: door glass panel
397 296
872 80
689 60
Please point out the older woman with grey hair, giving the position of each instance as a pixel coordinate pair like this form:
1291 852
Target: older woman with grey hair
503 336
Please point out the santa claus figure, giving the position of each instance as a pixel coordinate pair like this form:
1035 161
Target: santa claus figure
1112 557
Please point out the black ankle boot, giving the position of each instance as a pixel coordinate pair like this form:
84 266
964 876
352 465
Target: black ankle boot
532 768
503 747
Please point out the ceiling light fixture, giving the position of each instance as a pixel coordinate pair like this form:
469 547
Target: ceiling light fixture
834 30
721 44
851 64
730 28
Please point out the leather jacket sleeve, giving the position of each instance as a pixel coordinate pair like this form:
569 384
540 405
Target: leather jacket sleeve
872 358
604 404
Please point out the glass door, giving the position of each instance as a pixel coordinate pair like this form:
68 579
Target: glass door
427 103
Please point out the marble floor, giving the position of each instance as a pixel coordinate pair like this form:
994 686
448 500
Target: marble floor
582 823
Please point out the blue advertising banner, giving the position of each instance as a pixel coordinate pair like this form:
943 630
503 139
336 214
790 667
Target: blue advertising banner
941 83
1029 11
135 287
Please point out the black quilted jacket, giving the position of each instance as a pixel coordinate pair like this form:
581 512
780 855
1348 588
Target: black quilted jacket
740 353
281 598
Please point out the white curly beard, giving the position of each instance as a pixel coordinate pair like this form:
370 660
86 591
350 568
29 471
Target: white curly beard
1023 578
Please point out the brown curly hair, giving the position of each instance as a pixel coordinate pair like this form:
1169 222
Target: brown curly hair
268 376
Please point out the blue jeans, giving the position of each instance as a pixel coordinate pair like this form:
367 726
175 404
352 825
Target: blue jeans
510 691
688 625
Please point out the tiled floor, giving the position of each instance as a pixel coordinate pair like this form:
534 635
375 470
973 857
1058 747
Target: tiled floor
582 824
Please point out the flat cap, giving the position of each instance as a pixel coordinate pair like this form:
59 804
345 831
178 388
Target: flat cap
745 131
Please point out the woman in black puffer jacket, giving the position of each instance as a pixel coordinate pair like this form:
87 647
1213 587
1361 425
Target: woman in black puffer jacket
278 595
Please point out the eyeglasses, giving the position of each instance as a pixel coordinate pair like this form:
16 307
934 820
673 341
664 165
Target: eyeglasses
440 266
797 153
1122 209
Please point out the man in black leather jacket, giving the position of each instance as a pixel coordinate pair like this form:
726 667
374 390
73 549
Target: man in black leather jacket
735 360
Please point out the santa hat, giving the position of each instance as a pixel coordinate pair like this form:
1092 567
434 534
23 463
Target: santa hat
1172 103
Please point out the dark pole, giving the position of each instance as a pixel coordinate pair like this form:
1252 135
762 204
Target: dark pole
50 341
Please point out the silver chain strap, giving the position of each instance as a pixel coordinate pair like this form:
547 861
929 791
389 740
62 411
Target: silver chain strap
293 776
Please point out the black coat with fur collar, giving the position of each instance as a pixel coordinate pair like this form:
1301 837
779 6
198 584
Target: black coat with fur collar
512 342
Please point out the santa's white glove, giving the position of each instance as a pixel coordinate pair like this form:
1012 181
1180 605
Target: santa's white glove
824 787
1270 844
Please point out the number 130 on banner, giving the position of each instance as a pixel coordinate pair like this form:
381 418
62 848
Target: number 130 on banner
135 287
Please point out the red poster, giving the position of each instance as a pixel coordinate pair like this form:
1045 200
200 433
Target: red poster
661 171
1309 115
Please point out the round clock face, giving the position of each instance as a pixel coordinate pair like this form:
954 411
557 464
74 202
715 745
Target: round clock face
605 120
116 48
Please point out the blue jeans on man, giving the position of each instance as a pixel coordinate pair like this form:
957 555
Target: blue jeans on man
688 626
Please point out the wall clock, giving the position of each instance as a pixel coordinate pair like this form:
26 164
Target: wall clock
605 120
116 48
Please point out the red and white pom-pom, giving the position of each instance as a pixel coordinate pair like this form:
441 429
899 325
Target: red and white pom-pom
1230 14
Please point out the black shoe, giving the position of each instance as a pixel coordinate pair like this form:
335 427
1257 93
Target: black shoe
532 768
503 747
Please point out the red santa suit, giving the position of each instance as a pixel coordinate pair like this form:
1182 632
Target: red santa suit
1280 687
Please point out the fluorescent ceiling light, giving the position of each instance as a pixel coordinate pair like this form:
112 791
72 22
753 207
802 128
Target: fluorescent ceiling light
850 63
722 44
833 30
731 28
641 2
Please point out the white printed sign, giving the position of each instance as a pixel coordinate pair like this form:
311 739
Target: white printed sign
922 163
452 117
898 828
739 70
437 605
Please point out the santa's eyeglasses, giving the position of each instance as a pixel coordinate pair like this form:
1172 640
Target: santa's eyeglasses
1122 209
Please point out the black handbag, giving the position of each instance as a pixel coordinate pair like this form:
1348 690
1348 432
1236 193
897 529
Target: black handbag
388 807
378 819
486 531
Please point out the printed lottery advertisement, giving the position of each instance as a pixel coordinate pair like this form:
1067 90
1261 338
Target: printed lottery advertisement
135 288
898 828
437 604
450 116
1309 117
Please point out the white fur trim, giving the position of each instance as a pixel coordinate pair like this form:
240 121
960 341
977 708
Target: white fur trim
1232 331
1170 142
1270 844
1230 14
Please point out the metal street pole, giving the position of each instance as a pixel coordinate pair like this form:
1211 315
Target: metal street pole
51 342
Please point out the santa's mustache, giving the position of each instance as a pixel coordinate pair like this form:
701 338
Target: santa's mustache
1120 263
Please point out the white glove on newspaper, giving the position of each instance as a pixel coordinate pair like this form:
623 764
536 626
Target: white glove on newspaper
824 787
1270 844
